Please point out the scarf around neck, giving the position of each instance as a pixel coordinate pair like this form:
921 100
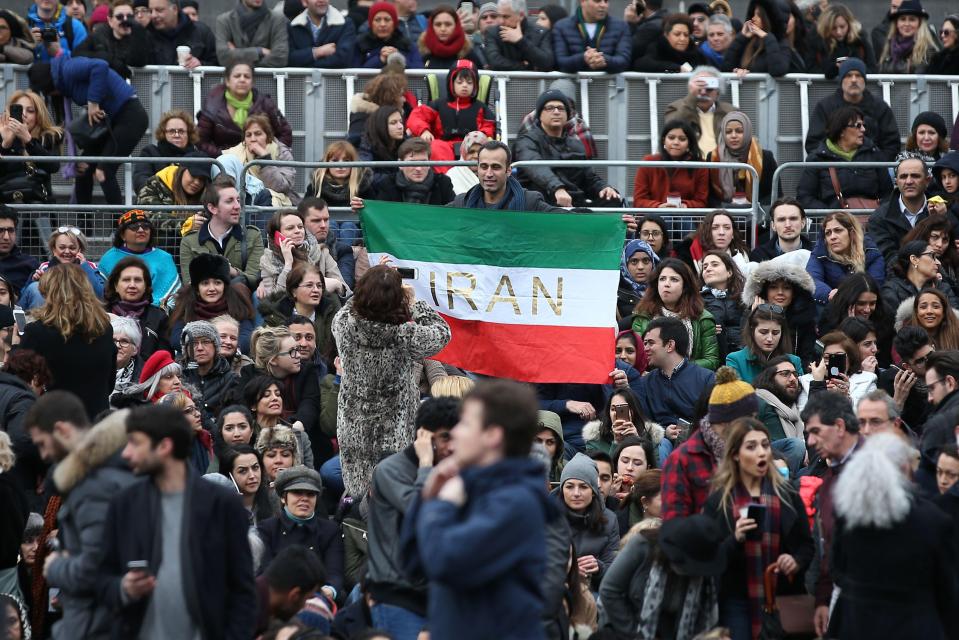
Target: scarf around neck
448 49
241 107
415 192
514 200
901 48
584 34
788 416
845 155
208 310
126 309
250 19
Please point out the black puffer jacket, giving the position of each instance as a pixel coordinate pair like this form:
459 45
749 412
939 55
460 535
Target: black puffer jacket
815 187
214 386
895 290
143 171
661 57
728 313
16 398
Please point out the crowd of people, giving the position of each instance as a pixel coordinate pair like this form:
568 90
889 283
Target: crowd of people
221 429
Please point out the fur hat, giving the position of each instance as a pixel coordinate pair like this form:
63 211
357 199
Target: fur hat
209 265
279 437
199 329
731 397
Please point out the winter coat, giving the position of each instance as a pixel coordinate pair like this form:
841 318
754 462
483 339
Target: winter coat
131 51
93 380
368 49
214 386
493 591
878 117
652 431
84 80
143 171
937 431
279 179
441 193
201 241
801 313
748 365
378 396
16 398
569 45
704 349
727 313
270 34
623 589
72 32
944 63
452 118
18 267
534 52
87 479
888 225
816 191
896 290
279 308
661 57
15 507
532 200
602 544
653 184
899 581
195 35
273 270
466 52
667 400
775 59
319 535
335 29
215 562
824 61
645 32
916 409
828 273
218 131
770 249
582 183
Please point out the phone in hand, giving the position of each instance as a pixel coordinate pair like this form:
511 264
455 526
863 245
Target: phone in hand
836 366
16 112
896 368
685 425
621 411
408 273
278 238
756 513
139 565
466 7
20 317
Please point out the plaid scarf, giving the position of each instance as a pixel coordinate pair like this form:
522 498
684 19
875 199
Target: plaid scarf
762 551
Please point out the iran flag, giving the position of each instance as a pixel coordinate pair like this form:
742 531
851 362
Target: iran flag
528 296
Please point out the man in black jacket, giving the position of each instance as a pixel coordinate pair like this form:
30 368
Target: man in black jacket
788 219
417 185
177 563
942 382
879 119
498 189
170 29
518 44
16 267
121 41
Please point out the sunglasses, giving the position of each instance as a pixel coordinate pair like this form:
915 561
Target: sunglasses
774 308
71 230
139 226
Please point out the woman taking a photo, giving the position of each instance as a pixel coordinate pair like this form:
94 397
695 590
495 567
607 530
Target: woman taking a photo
67 246
133 238
716 232
128 294
72 331
734 187
930 310
676 295
842 250
761 46
244 466
673 187
259 143
917 267
765 523
722 290
766 336
175 136
33 133
384 324
909 45
227 107
852 382
618 421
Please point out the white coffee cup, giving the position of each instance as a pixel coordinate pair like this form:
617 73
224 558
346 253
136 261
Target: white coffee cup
182 54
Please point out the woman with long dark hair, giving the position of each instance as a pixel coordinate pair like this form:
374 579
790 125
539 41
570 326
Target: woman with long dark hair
264 397
761 46
931 311
765 336
722 289
790 287
946 62
863 333
674 293
381 332
716 231
917 268
385 132
860 297
609 429
244 466
673 187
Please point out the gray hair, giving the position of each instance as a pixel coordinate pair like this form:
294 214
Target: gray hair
128 327
519 6
707 70
874 490
878 395
720 19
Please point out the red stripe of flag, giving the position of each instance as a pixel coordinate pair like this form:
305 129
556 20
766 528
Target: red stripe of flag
531 353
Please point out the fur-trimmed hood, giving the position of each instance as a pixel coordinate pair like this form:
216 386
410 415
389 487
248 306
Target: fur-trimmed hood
773 270
360 103
904 312
334 18
591 431
100 444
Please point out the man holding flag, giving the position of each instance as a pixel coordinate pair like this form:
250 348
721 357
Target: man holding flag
498 189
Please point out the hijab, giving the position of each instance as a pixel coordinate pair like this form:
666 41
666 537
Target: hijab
749 152
639 288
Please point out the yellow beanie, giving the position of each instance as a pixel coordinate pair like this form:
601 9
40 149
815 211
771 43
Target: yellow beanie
731 397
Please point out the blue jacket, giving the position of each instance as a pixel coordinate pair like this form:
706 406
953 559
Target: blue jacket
568 45
86 80
70 35
31 298
666 400
485 561
748 366
336 28
163 270
828 274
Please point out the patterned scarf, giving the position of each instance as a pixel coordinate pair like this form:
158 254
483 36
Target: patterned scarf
689 328
584 34
760 551
241 107
700 609
749 152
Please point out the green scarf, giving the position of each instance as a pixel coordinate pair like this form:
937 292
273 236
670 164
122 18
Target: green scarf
241 108
845 155
581 25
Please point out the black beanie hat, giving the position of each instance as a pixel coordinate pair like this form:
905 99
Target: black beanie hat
550 96
932 119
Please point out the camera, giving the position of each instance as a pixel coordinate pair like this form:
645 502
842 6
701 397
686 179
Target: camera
126 19
49 34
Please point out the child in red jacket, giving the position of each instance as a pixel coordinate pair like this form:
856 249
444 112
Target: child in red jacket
444 123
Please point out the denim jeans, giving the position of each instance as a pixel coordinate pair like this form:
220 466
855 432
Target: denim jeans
794 450
401 623
734 613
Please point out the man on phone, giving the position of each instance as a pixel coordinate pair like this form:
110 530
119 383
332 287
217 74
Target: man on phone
478 526
201 589
905 382
702 106
89 472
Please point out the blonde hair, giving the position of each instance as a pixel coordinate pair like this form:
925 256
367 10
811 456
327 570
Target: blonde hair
7 456
451 387
70 305
45 130
225 319
79 237
175 399
265 345
922 49
827 20
727 474
348 152
855 256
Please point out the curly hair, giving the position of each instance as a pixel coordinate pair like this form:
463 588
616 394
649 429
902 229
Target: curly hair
176 114
379 296
71 307
29 366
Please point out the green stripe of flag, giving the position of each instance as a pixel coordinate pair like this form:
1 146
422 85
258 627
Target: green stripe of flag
502 238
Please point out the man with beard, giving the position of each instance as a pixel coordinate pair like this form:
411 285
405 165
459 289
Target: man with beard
777 388
907 382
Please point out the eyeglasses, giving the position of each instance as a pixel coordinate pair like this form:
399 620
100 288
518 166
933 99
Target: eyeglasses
7 231
931 254
650 234
310 285
555 107
292 353
72 230
178 133
932 385
191 411
122 343
775 308
918 362
856 125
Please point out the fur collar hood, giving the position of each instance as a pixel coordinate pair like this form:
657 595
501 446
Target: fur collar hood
770 271
904 312
591 431
334 18
359 103
101 443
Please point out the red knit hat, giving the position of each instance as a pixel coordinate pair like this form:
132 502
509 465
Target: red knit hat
154 364
383 6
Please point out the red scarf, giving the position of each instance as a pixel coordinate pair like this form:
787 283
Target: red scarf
448 49
761 551
207 310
